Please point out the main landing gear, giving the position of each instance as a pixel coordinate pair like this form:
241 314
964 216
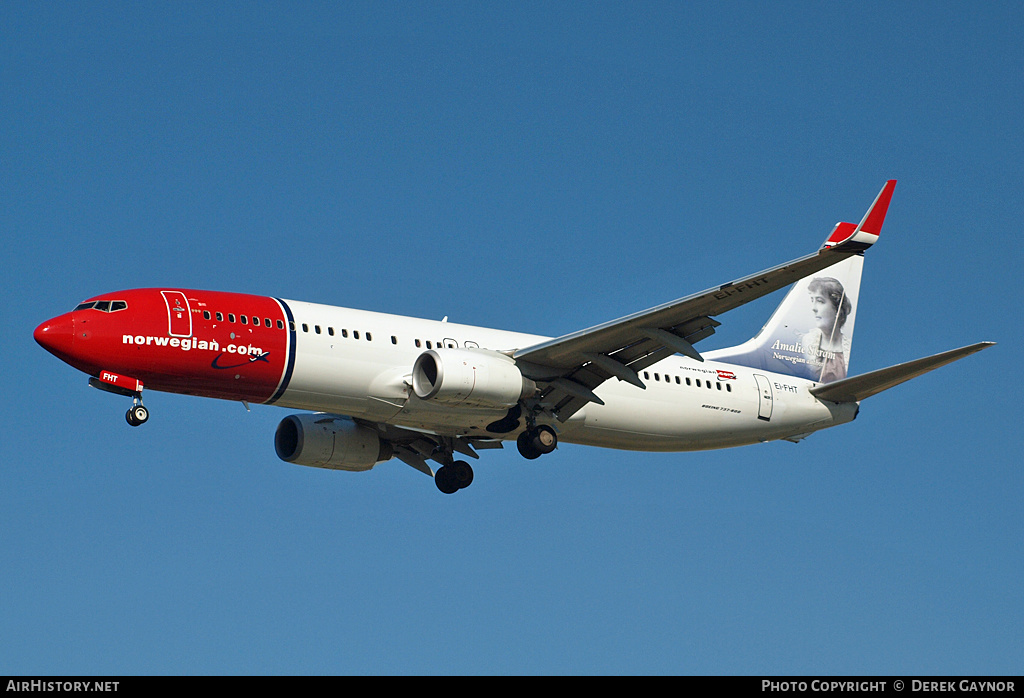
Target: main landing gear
452 478
533 443
537 441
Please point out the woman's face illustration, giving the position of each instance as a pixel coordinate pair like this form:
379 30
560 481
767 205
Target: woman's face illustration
824 312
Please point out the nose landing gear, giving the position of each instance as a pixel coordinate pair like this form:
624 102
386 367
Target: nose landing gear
123 385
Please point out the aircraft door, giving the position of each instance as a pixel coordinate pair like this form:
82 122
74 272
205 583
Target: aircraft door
765 401
179 316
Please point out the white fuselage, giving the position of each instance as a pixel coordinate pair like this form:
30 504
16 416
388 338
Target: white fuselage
358 363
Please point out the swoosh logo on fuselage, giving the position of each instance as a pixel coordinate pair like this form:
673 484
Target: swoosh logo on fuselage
255 357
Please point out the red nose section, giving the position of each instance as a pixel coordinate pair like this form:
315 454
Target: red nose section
57 335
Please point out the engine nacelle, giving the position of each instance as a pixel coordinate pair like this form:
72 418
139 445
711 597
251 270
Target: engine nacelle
470 378
327 441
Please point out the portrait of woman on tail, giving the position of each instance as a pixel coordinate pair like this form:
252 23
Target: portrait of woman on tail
826 348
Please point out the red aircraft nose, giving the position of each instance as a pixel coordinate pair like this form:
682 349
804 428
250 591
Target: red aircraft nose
56 335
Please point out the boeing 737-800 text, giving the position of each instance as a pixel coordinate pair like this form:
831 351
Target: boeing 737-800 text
377 386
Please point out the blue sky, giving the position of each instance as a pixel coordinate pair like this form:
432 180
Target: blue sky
541 167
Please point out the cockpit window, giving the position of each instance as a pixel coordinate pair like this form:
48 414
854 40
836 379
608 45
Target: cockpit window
103 306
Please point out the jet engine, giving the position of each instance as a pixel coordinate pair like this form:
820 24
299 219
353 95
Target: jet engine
327 441
475 378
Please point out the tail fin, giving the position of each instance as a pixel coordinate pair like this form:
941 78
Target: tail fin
810 334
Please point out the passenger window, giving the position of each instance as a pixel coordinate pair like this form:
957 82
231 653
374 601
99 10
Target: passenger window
417 343
718 385
305 327
355 334
220 316
344 333
244 319
728 387
291 325
330 331
394 339
316 328
688 381
369 337
428 345
656 377
231 317
698 382
268 323
647 376
206 314
280 324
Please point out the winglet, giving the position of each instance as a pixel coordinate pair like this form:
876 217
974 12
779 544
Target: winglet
873 219
866 234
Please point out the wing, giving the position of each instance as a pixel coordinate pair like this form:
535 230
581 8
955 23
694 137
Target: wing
569 368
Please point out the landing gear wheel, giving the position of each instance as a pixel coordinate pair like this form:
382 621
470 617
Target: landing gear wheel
137 415
535 442
544 439
445 480
526 449
462 473
452 478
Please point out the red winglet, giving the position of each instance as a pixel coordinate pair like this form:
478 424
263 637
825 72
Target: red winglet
840 233
875 216
867 232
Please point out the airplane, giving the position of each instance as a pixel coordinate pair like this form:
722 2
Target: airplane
375 386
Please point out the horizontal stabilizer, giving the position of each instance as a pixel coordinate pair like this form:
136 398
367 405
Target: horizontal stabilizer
864 386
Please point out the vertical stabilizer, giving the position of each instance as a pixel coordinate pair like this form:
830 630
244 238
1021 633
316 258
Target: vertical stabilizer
810 335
